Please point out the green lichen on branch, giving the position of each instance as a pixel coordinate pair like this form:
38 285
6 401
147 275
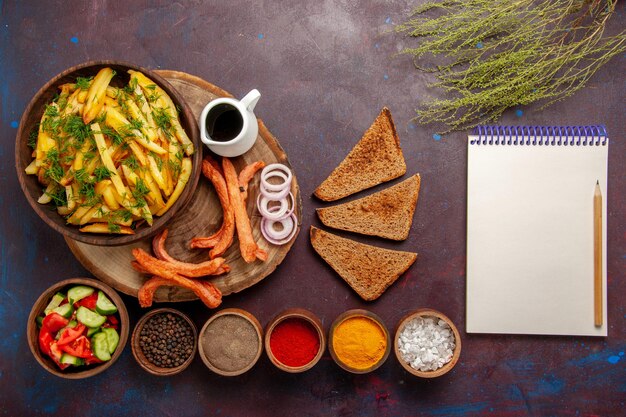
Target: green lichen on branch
492 55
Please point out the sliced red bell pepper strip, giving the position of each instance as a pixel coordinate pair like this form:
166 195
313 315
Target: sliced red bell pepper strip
71 333
54 322
81 348
89 302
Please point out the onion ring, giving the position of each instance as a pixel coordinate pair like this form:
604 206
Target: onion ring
276 214
282 241
276 170
287 223
274 195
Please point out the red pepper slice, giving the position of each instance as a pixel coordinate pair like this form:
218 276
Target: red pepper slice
81 348
71 333
55 354
45 340
89 302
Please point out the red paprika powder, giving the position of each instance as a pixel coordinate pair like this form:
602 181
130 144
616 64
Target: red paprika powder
294 342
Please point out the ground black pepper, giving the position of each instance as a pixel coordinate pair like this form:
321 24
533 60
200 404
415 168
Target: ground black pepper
166 340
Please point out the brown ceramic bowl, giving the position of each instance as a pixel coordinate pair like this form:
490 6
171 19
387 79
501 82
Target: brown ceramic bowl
427 312
236 312
31 118
358 313
301 314
141 358
32 332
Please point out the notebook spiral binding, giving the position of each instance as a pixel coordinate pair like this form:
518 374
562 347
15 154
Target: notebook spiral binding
594 135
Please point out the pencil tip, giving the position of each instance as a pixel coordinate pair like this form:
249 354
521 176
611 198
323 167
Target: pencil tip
597 182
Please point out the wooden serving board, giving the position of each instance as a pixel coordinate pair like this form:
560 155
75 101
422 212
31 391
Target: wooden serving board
202 216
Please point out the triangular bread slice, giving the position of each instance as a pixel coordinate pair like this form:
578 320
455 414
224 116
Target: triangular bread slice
376 158
369 270
387 213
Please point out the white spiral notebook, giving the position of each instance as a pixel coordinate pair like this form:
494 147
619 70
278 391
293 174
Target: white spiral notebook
530 230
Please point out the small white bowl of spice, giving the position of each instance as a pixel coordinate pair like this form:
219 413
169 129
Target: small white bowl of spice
427 343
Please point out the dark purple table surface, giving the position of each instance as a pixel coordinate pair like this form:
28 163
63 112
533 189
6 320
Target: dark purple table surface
325 69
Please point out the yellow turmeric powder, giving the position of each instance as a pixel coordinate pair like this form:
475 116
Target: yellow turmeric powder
359 342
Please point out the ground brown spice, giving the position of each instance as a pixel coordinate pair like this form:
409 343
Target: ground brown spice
230 343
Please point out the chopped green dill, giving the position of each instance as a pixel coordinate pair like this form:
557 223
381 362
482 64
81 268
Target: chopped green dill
124 214
131 162
132 84
101 173
114 228
68 158
76 128
83 82
88 156
114 135
136 124
163 120
176 168
59 197
100 119
51 111
81 175
140 190
32 138
55 170
179 155
151 87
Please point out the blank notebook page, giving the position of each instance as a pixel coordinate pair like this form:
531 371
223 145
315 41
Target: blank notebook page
530 233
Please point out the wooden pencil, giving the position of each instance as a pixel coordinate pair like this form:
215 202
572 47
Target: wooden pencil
597 255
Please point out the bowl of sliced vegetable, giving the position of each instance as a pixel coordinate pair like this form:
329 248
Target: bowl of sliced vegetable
107 152
78 328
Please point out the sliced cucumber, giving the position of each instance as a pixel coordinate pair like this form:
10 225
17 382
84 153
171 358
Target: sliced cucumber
72 360
100 346
65 310
92 331
112 338
104 305
54 303
89 318
78 293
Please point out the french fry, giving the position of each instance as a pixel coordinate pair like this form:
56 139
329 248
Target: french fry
78 214
165 102
180 185
136 114
31 169
117 121
138 152
82 96
71 199
79 159
106 228
63 210
96 94
154 189
106 159
145 107
46 197
91 213
109 198
156 174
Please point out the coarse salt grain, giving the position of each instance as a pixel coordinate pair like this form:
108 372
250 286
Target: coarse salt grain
426 343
